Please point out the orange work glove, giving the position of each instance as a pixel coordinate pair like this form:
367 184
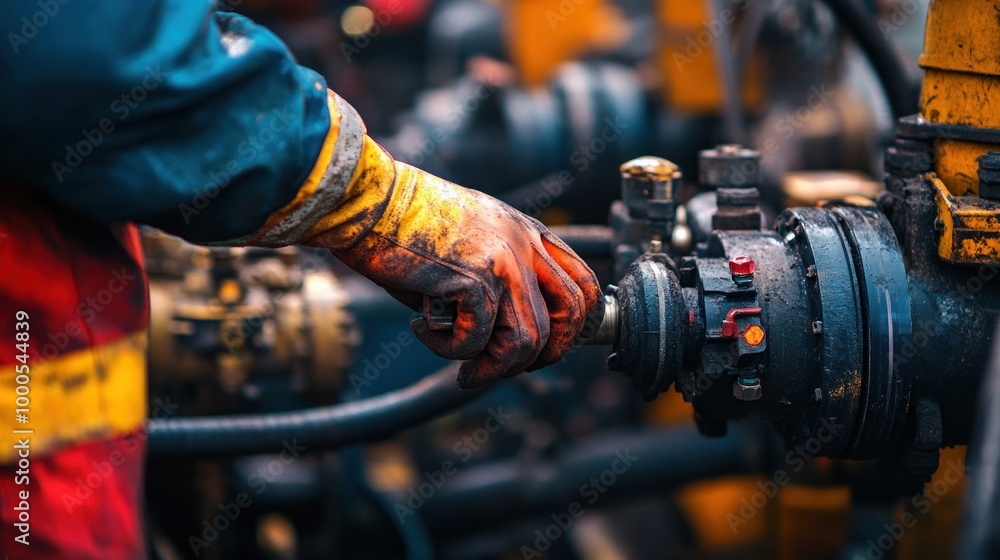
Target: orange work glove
522 296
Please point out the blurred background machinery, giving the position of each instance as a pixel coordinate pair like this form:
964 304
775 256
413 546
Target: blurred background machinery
800 234
237 327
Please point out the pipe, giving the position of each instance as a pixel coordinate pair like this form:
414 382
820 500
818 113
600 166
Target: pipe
527 198
889 67
327 427
661 460
593 242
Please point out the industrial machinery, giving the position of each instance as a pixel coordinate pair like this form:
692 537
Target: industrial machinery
258 318
663 77
827 323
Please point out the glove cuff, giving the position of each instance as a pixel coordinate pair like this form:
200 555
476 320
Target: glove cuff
354 187
335 171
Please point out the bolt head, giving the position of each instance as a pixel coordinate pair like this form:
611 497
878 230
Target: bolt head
747 392
989 160
742 266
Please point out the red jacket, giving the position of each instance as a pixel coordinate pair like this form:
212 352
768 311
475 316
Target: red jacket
80 289
160 112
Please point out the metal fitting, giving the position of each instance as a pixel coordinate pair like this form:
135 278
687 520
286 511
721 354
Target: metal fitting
729 166
607 332
734 173
908 157
646 179
747 389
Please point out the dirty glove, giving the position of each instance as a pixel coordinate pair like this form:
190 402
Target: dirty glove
522 296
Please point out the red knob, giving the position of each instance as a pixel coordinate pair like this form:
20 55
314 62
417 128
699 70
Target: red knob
741 266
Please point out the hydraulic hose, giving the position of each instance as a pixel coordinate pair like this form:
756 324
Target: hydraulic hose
889 67
647 462
327 427
590 242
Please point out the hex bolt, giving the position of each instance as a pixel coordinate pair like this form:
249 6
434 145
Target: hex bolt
747 389
989 175
742 269
909 157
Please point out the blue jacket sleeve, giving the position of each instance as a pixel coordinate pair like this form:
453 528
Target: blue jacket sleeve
163 112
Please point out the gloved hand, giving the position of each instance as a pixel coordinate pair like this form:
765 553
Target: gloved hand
522 295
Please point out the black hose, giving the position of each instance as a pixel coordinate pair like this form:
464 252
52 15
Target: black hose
590 242
413 532
328 427
643 463
889 67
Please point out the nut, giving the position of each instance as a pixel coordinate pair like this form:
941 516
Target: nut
741 266
747 391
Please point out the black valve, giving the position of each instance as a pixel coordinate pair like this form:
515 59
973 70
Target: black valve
796 325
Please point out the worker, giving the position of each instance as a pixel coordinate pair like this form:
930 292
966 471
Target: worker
200 123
